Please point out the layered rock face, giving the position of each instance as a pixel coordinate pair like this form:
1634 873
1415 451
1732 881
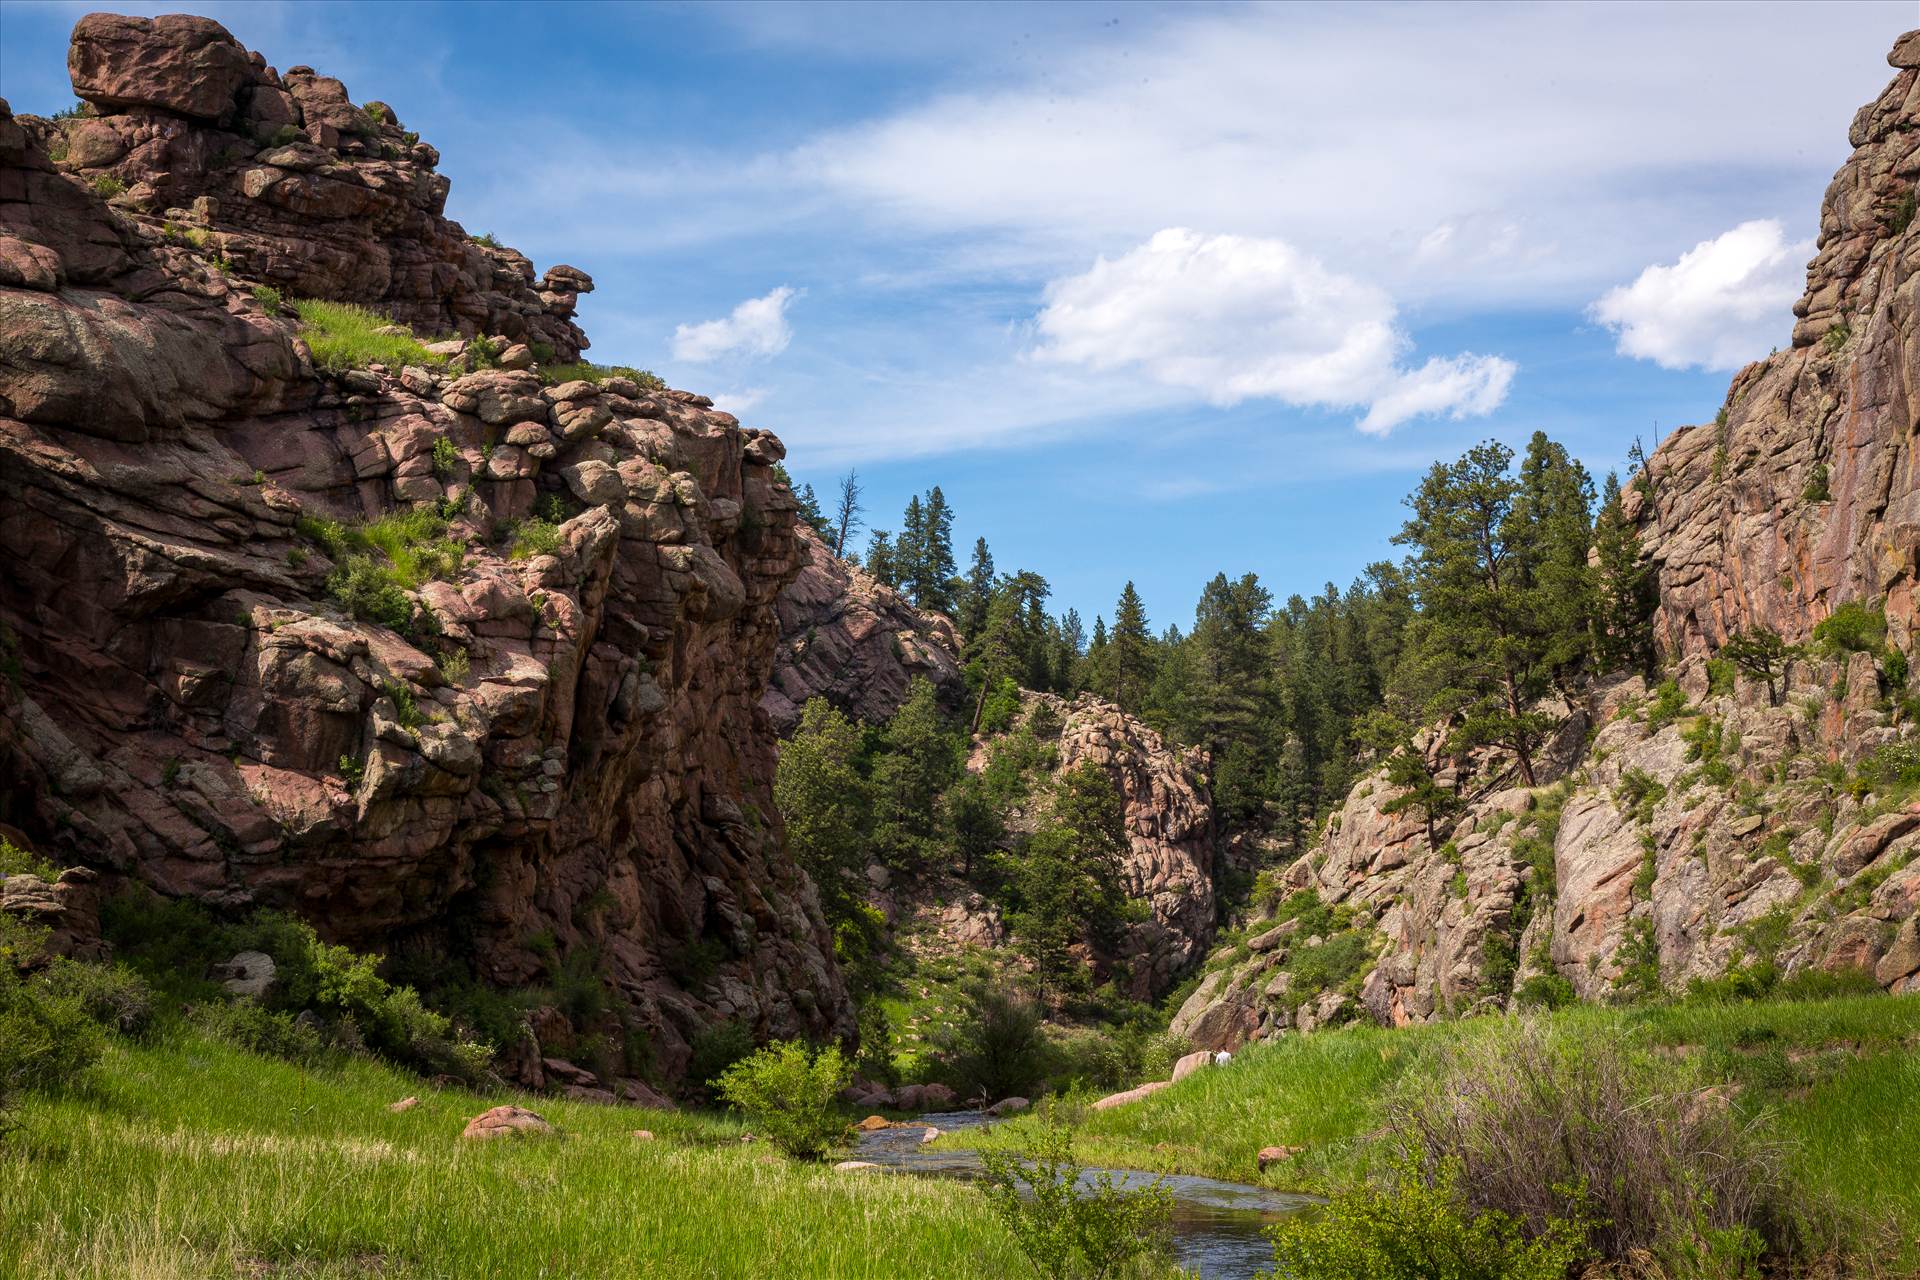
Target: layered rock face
560 749
280 176
1170 834
1807 495
849 638
1728 829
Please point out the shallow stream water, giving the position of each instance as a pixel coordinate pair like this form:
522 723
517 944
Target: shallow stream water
1218 1227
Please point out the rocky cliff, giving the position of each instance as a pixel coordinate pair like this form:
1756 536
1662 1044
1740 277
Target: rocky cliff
280 634
849 638
1723 823
1806 493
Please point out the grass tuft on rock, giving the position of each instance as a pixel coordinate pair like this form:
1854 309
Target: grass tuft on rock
343 336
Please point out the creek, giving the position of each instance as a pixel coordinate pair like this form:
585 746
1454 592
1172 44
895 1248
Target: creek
1219 1228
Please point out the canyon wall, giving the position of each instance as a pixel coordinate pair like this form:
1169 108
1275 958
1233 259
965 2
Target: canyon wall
547 746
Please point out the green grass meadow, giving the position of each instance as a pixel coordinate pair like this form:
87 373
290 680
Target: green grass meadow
1837 1081
192 1159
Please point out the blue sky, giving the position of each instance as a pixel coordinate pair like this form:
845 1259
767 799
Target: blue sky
1151 292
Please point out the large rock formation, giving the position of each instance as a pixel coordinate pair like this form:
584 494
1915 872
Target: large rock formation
1726 823
1170 834
1806 493
554 745
849 638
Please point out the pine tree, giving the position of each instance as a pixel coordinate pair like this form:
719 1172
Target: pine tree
934 589
920 760
978 596
881 558
1132 651
1555 509
910 549
824 802
1478 644
811 513
1626 591
1070 638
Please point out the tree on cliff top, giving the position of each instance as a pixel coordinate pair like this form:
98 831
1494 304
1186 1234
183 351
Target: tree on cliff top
1502 607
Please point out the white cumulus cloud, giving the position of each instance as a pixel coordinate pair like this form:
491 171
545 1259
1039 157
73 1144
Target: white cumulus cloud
757 327
1233 318
1723 303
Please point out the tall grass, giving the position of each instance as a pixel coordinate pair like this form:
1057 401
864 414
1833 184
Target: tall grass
195 1159
343 336
1831 1082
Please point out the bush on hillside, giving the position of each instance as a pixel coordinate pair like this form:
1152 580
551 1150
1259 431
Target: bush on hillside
1417 1228
1548 1129
788 1092
47 1041
113 996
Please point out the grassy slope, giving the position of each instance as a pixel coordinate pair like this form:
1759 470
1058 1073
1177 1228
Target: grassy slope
1838 1079
193 1159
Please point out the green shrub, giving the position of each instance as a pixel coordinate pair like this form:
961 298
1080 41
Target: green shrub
1852 628
534 536
367 590
47 1039
1417 1228
1839 335
714 1049
1578 1126
1669 704
1720 673
996 1049
247 1025
1067 1225
583 371
1816 489
345 988
1545 991
485 239
16 861
445 456
269 297
343 336
114 996
1638 794
788 1093
106 186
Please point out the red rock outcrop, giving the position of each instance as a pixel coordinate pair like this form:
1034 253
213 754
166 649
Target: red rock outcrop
559 750
1806 494
849 638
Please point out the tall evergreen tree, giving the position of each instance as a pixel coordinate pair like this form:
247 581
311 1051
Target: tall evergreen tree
1070 639
881 560
1626 590
978 596
910 549
1555 508
811 513
1132 645
934 588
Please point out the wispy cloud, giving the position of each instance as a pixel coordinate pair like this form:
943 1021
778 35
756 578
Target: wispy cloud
756 328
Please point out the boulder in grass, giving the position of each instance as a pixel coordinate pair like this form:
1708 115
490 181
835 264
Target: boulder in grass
1270 1156
1191 1063
853 1166
405 1104
508 1122
1008 1106
1146 1090
871 1123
